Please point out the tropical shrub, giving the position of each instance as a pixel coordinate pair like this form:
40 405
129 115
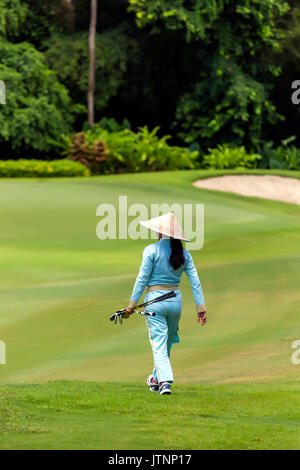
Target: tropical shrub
39 168
225 156
112 125
128 151
91 154
284 157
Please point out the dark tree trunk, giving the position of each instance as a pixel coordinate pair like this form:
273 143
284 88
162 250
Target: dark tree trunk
92 39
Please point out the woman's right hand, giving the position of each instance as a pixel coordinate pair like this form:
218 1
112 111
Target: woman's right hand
202 317
129 311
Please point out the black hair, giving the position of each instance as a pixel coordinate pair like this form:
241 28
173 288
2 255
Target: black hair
177 258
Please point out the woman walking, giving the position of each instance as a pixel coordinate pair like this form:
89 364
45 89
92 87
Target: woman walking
161 269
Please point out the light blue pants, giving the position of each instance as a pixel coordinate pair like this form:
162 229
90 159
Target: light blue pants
163 332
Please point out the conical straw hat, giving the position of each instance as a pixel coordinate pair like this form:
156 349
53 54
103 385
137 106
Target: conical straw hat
167 225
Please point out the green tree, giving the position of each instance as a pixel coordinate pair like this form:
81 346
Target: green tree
229 99
38 108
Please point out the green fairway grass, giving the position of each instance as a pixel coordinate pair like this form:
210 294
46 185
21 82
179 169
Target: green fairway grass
59 284
87 415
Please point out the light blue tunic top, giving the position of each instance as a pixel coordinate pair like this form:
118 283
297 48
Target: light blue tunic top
156 269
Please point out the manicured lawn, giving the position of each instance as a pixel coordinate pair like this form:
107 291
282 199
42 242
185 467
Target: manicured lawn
59 283
87 415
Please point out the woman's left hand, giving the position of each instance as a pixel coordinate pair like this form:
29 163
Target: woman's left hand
202 317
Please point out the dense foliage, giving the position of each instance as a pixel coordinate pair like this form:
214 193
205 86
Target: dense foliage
230 99
12 17
209 72
68 55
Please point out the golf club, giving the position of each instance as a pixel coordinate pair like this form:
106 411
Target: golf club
119 313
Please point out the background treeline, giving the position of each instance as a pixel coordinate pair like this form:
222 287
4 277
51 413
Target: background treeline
207 73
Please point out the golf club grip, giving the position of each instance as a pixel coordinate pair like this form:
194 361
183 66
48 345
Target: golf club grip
150 314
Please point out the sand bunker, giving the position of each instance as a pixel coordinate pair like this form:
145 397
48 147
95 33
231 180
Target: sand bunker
265 186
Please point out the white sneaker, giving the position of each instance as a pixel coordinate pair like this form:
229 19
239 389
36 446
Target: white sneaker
164 388
152 384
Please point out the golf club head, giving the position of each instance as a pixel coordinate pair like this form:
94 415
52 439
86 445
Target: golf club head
112 317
